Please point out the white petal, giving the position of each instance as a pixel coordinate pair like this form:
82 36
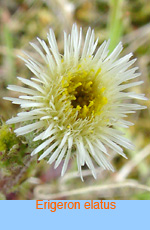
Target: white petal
137 96
105 161
54 47
39 51
60 157
101 146
14 120
28 128
99 51
63 140
126 86
81 150
43 145
54 156
22 90
79 165
113 146
51 148
31 84
31 113
70 142
66 162
91 147
31 104
96 157
16 101
115 53
90 165
36 98
86 43
47 132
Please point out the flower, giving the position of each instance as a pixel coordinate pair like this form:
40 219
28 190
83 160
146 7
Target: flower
76 101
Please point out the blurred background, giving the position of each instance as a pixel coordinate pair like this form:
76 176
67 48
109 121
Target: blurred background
21 21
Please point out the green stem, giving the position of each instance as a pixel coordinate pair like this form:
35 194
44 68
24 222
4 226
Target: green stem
8 41
115 24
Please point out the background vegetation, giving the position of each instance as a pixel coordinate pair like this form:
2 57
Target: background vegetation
22 21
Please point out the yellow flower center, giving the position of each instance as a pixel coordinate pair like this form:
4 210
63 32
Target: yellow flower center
85 95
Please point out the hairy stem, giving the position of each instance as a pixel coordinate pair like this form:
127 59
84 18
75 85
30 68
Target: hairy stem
8 182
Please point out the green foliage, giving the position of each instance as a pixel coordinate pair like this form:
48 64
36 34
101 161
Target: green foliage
16 164
7 138
13 150
142 196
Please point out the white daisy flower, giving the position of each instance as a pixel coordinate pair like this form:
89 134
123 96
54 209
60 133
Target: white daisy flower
75 101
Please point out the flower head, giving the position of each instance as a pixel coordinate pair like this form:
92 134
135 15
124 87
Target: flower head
75 101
